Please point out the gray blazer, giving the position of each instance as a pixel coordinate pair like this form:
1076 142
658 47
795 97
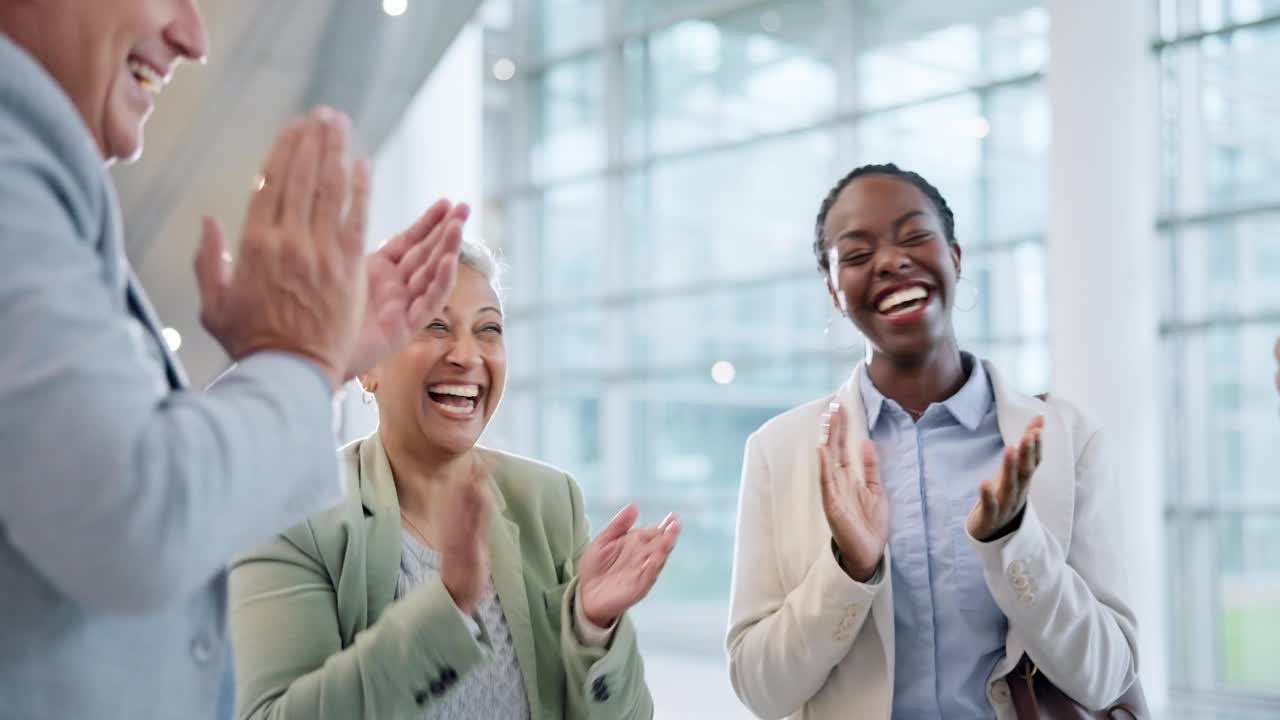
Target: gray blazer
122 494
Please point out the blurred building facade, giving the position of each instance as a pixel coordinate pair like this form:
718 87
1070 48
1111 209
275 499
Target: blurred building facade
651 170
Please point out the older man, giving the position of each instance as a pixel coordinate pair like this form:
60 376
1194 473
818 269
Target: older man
122 494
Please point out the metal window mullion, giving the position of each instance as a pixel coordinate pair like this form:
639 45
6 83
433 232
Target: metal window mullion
618 34
527 209
827 123
1195 37
615 417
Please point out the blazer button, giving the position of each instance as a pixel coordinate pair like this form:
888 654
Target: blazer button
999 692
437 687
448 676
420 697
201 648
1017 567
1020 582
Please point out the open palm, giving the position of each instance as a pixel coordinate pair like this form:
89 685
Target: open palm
621 565
857 511
409 280
1002 498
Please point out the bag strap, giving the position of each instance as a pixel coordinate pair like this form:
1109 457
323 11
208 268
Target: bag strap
1027 671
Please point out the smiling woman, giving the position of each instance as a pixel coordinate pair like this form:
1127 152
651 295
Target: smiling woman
991 505
455 581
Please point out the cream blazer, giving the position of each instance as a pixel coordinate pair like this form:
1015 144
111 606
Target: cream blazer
807 642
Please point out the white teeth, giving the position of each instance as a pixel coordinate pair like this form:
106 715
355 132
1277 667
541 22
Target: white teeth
459 410
915 292
466 391
150 80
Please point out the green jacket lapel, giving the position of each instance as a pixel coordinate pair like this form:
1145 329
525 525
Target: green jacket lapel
507 568
382 513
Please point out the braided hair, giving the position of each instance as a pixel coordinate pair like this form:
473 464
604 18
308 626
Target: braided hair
891 170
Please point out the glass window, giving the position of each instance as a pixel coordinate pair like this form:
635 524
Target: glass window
1003 293
687 457
568 134
1185 17
1226 269
571 428
710 216
573 342
725 325
1224 434
1220 160
562 26
700 81
1222 149
571 231
661 208
911 55
941 140
643 13
1249 598
520 333
1016 151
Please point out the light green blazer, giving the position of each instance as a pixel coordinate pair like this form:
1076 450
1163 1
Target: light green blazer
317 634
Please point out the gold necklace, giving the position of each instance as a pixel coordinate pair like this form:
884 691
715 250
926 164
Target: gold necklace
413 527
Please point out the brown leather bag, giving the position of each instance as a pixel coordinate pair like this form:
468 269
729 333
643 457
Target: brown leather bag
1035 698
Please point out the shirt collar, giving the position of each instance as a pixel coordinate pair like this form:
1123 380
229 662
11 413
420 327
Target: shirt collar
872 399
968 406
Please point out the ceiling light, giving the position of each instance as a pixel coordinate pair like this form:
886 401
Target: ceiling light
504 69
395 8
723 372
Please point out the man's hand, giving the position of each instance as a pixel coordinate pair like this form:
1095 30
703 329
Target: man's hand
299 284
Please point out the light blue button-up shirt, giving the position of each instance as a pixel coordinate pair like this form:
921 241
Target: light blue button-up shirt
948 632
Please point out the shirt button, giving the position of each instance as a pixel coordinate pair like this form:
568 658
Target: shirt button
201 648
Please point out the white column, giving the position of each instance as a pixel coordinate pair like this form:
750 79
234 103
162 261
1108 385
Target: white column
1102 265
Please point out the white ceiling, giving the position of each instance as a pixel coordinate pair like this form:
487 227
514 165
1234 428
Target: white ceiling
214 124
